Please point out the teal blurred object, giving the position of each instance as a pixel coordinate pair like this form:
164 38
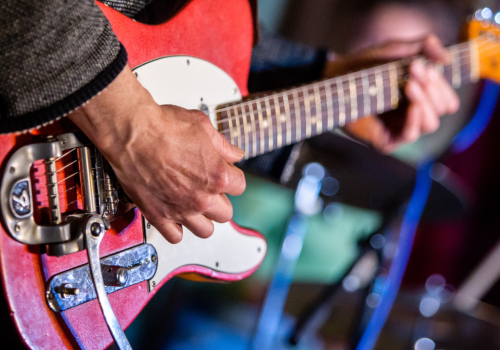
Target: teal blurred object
330 245
229 330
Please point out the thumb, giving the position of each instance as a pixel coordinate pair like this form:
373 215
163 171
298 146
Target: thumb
223 147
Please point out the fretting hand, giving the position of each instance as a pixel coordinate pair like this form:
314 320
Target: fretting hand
171 161
429 95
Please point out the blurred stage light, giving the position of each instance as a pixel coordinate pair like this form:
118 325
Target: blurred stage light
425 344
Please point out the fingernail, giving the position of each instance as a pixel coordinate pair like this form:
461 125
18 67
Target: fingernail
239 152
433 74
413 89
417 68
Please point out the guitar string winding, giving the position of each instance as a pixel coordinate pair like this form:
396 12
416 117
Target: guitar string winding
269 120
343 79
395 65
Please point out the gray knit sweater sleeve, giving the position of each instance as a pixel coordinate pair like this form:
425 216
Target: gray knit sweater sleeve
54 56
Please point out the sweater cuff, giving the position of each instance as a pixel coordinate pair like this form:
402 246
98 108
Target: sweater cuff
47 115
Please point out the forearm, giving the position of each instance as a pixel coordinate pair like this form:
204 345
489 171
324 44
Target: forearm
55 55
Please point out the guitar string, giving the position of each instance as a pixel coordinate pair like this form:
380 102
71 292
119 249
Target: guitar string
262 99
269 119
399 63
343 79
257 122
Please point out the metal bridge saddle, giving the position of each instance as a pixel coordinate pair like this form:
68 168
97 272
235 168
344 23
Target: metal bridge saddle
63 235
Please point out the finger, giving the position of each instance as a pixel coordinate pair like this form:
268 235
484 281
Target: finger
449 97
443 96
435 88
220 210
396 50
434 50
430 114
169 229
226 178
199 225
414 116
236 182
226 150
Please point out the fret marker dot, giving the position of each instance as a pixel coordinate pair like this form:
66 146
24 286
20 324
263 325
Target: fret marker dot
372 90
341 116
313 120
264 123
311 98
283 118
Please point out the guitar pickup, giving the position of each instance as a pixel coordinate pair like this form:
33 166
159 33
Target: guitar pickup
124 269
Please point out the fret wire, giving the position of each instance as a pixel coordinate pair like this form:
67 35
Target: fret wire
298 126
380 91
261 128
238 134
366 95
474 64
288 120
329 86
321 95
278 123
254 130
459 49
245 130
233 130
307 105
455 70
329 105
319 107
393 78
341 103
353 96
270 129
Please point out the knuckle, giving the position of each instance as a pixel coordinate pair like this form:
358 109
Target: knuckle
220 180
454 105
226 214
201 203
430 126
206 231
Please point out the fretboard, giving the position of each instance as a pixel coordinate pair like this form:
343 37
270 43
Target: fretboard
277 119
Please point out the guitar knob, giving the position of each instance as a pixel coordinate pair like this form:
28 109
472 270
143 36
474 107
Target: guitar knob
122 276
117 276
67 291
114 276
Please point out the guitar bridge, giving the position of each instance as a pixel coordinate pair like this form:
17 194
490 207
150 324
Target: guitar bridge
46 208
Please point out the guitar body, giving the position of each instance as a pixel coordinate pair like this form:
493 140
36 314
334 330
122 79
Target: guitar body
216 31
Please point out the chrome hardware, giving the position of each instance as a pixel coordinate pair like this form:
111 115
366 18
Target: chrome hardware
67 291
93 243
107 193
118 275
87 180
17 197
110 195
121 276
132 260
52 192
95 229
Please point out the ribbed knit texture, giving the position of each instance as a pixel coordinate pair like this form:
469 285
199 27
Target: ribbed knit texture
54 56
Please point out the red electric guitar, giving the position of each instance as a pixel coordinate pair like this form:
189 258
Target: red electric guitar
70 254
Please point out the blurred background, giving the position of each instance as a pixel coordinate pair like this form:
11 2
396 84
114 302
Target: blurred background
337 267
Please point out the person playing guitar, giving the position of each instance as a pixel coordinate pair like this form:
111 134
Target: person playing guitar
62 59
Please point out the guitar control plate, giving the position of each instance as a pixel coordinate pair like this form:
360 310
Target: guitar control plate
138 264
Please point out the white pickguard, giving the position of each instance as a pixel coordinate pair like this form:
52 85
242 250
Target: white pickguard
190 82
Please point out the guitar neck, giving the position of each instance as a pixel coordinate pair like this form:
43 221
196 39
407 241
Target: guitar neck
269 122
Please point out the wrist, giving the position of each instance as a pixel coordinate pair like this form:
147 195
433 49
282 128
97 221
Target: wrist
109 117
